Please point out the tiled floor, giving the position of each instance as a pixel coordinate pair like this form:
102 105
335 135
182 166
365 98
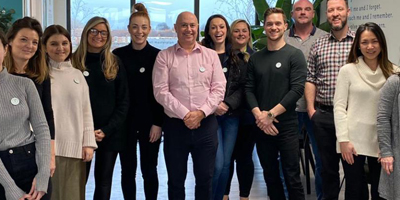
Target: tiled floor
258 191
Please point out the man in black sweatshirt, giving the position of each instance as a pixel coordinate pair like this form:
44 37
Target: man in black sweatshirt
275 81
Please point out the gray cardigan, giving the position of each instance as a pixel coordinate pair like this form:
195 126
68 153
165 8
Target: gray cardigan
389 136
20 107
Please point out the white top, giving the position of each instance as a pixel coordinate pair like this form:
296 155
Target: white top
355 107
72 111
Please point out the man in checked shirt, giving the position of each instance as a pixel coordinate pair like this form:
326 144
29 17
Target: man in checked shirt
327 55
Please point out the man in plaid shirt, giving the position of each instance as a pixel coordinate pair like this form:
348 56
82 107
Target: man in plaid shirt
327 55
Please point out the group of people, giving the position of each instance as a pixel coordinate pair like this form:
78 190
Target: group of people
214 99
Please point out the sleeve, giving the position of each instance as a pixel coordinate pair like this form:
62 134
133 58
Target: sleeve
47 106
297 75
89 139
42 137
250 86
120 112
235 99
161 90
12 191
340 102
312 68
384 117
217 87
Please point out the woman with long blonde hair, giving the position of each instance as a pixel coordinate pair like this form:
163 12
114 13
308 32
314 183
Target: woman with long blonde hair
109 99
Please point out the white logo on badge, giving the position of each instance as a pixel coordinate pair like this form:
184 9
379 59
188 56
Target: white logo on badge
278 65
15 101
76 81
86 73
225 69
202 69
142 69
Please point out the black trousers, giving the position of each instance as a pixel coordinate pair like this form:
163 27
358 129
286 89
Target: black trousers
356 179
202 143
243 153
148 165
21 165
285 144
325 135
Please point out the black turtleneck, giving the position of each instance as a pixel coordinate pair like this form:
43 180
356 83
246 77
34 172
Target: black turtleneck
109 100
144 110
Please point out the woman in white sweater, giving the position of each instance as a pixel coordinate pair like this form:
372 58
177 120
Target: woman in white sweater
355 109
74 135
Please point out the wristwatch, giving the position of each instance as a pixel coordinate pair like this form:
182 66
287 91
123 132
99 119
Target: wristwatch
270 115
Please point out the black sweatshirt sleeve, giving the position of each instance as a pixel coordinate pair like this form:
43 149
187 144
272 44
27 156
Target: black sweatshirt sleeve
118 117
47 106
250 86
298 73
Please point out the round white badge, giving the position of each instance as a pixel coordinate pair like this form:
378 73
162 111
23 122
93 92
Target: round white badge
225 69
15 101
76 81
278 65
142 69
86 73
202 69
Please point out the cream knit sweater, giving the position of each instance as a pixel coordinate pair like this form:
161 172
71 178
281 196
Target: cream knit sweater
72 112
355 107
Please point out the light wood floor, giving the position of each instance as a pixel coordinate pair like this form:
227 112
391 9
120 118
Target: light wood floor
258 191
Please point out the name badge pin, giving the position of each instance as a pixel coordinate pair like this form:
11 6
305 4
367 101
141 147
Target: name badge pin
142 69
86 73
15 101
225 69
76 81
278 65
202 69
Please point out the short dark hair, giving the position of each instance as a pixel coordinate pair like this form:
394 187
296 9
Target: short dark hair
54 30
271 11
347 3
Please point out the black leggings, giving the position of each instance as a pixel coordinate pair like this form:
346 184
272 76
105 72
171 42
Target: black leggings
244 163
148 165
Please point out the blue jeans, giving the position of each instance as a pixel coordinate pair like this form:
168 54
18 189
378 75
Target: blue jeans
227 133
304 119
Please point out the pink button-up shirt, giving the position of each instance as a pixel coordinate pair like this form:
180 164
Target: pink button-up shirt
185 82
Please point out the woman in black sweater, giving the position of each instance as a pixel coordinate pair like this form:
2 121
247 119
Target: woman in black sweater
109 99
25 57
145 115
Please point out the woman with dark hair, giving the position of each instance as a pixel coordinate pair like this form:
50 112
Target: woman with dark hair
74 136
228 112
26 58
145 114
358 87
24 156
109 98
243 152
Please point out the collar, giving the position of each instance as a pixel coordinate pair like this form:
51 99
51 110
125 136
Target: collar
349 33
292 33
59 65
178 47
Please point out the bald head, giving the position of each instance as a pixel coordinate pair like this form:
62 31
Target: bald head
303 12
186 28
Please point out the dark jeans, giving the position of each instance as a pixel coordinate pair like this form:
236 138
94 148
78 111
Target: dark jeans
21 165
325 135
356 181
243 153
202 143
148 165
103 173
285 145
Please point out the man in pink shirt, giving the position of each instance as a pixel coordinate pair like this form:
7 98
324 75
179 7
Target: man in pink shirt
189 83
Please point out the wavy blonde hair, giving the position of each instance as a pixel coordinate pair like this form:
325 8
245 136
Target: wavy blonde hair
249 43
37 67
110 62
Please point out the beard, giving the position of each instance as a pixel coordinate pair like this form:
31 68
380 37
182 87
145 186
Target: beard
275 39
340 27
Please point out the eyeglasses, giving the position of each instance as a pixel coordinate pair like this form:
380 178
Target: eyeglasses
95 32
